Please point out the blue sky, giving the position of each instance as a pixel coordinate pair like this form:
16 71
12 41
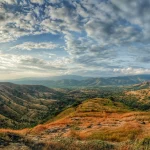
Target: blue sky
83 37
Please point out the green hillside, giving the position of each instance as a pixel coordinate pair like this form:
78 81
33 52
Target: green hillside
27 105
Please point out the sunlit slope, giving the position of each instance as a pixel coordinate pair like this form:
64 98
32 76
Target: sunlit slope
94 120
97 119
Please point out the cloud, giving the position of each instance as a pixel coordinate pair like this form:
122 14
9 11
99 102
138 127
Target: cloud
105 18
144 59
31 45
37 1
10 1
16 66
39 64
108 34
17 63
132 71
108 22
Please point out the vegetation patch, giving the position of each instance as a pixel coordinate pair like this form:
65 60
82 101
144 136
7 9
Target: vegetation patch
117 135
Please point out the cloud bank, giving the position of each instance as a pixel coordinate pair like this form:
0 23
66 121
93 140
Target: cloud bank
101 38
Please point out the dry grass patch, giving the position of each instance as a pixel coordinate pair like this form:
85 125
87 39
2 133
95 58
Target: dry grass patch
72 144
127 132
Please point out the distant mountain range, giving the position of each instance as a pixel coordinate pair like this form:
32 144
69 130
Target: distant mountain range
79 81
54 78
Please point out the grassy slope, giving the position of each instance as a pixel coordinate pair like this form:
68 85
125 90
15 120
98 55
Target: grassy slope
23 105
94 120
99 119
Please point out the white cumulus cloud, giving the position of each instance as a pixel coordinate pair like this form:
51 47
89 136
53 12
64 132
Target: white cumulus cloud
31 45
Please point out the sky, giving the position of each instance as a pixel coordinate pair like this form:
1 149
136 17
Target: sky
98 38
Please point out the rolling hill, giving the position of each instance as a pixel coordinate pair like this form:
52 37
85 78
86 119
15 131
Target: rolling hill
27 105
91 119
94 124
